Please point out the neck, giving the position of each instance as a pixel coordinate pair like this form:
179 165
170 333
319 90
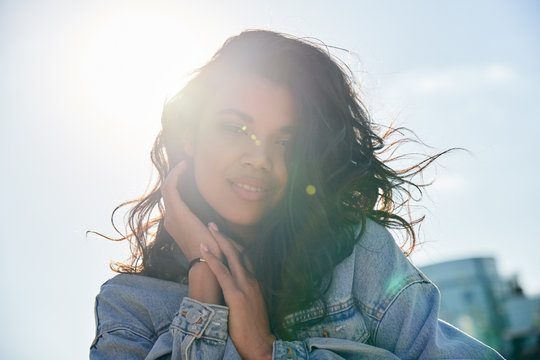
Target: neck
242 234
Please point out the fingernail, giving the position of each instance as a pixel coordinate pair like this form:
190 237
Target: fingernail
204 248
213 226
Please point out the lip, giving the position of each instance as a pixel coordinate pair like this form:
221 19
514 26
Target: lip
251 189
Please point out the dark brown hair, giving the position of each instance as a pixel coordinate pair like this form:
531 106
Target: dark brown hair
337 152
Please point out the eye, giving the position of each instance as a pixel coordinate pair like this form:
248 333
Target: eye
234 128
283 142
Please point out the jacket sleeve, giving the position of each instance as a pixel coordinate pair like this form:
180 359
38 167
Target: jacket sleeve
411 329
138 318
199 331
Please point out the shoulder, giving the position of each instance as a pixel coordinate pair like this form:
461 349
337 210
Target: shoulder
381 271
141 304
137 291
144 285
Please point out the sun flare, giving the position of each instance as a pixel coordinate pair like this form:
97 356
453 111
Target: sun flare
135 59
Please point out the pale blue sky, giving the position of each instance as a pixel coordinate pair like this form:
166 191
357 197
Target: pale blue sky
82 87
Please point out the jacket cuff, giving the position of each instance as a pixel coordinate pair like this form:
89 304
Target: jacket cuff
201 320
289 350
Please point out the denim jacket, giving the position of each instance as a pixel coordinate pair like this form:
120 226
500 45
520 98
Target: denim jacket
378 306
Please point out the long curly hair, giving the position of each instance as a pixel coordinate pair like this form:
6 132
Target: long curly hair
337 177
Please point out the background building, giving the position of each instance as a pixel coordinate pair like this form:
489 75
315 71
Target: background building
522 334
496 311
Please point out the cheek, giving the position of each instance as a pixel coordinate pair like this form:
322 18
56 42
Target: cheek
207 180
210 161
205 152
206 167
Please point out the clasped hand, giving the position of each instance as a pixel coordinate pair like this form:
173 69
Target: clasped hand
249 327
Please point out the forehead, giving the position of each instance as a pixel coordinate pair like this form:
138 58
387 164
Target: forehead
262 100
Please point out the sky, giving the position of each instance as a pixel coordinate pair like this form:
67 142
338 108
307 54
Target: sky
82 87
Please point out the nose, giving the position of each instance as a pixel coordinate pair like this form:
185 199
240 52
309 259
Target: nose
257 156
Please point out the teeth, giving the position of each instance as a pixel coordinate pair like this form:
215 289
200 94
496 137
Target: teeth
249 188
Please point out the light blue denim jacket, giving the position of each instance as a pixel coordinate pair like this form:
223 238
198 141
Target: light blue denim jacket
379 306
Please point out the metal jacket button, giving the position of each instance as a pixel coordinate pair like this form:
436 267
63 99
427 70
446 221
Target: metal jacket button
193 316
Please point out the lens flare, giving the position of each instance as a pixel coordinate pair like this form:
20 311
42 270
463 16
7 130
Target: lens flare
394 282
311 190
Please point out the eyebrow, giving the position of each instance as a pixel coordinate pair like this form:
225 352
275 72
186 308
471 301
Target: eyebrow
245 117
240 114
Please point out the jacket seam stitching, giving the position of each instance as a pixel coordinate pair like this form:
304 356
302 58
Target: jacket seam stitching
419 281
319 312
204 337
136 332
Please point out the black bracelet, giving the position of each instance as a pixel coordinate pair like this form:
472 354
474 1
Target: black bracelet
194 261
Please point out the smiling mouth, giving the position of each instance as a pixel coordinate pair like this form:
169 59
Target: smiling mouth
250 188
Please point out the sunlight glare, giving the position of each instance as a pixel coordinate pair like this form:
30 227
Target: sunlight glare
132 61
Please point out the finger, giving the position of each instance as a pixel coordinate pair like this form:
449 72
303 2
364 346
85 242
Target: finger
178 215
230 252
174 205
174 175
169 189
248 264
243 256
239 248
220 271
245 259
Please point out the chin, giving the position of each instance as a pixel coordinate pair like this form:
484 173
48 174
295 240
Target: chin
248 219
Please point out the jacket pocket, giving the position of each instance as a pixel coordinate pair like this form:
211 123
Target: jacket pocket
339 321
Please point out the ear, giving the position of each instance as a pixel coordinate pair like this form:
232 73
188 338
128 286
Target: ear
188 140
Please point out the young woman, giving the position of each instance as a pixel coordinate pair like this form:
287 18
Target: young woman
265 235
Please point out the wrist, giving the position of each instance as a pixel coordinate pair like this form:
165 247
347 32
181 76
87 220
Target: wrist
268 348
194 262
200 273
203 285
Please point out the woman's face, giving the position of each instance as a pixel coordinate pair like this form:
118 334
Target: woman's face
238 149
